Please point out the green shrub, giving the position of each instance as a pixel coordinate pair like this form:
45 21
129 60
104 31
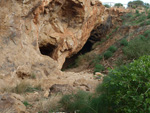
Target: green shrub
148 16
99 68
137 11
106 5
145 23
137 15
125 90
112 49
142 37
148 22
124 42
74 102
126 16
141 19
119 61
118 4
107 37
147 33
137 48
142 24
136 3
108 54
133 6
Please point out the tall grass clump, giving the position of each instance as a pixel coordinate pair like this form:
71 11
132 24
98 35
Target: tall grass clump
88 57
24 87
77 102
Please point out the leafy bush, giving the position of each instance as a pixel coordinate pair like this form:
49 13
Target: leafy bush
141 19
106 5
112 49
99 68
145 23
126 16
119 61
124 90
107 37
148 22
124 42
108 54
148 16
78 101
137 47
136 3
147 33
118 4
137 11
127 88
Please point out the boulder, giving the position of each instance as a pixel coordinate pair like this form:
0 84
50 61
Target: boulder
61 88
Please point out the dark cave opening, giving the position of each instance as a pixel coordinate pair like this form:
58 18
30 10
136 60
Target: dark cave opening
96 35
47 49
70 62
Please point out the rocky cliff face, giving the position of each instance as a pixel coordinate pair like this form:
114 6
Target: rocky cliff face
36 36
55 28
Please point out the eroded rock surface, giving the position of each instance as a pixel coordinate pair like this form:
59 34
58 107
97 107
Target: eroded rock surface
12 103
56 28
36 36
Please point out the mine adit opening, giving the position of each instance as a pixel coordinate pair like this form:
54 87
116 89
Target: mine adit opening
47 49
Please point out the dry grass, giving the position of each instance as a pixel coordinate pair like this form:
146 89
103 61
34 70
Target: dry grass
20 88
49 105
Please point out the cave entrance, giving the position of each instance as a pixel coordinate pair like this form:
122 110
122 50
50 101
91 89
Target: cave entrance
47 49
70 62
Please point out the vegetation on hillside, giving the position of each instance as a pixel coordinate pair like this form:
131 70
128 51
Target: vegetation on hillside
125 90
138 3
118 4
106 5
129 19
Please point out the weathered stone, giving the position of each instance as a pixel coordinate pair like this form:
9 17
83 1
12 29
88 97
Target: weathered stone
61 88
82 84
11 103
56 28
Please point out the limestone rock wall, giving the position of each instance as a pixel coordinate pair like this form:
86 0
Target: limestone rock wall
55 28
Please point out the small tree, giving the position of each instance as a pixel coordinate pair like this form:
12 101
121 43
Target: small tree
135 3
106 5
147 5
118 5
